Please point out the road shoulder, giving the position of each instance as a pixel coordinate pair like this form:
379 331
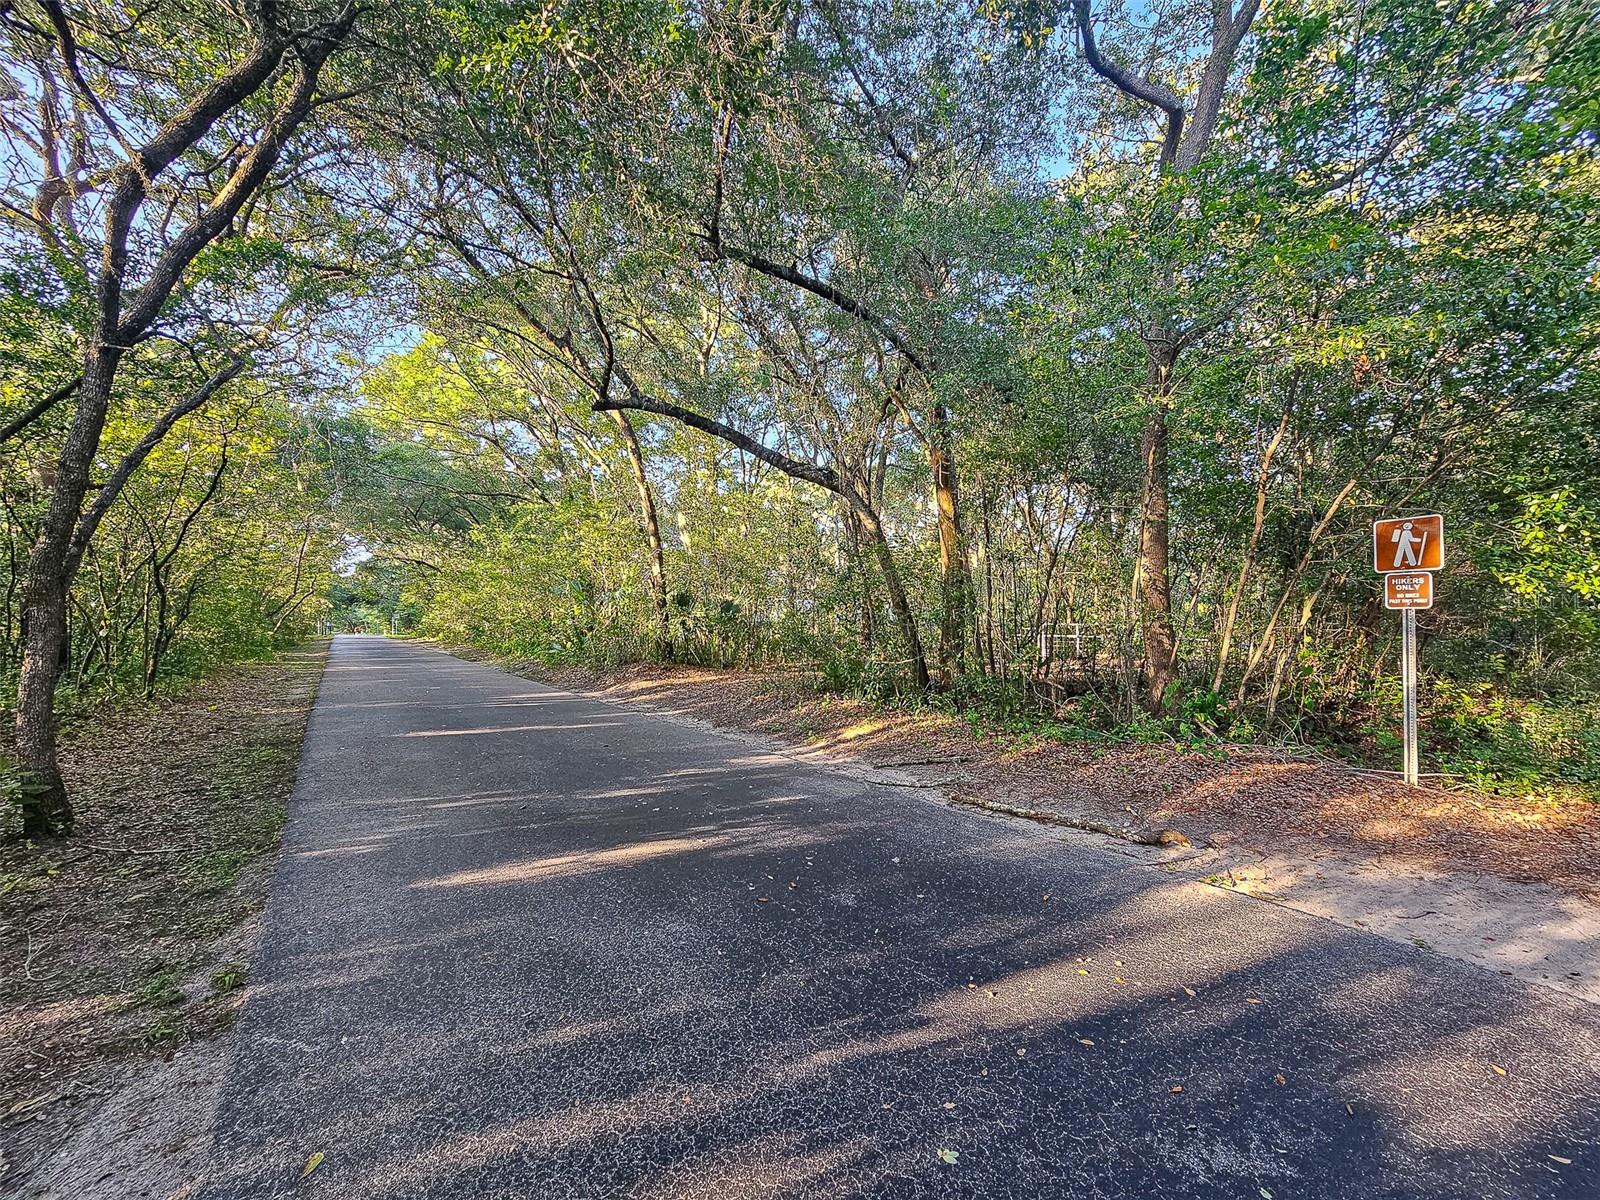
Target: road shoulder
126 948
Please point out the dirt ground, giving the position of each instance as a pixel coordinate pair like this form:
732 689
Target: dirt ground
1510 884
129 943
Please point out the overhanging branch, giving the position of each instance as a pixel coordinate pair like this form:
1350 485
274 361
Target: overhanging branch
38 409
823 477
826 291
134 458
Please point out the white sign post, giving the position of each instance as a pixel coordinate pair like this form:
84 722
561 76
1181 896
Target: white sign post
1406 551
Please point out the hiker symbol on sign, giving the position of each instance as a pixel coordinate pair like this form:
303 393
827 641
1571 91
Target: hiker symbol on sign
1409 551
1408 544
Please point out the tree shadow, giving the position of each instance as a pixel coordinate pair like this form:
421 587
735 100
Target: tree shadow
683 968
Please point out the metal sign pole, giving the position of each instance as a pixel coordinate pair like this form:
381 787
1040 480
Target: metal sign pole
1408 687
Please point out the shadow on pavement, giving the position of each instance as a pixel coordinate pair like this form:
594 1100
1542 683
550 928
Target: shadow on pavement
590 953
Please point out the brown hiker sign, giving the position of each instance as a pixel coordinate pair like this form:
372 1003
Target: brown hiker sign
1408 544
1406 551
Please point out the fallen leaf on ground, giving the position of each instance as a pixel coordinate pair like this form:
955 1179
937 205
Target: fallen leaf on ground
1189 991
948 1156
31 1105
312 1164
1175 1088
1085 1042
1280 1079
1497 1070
1565 1162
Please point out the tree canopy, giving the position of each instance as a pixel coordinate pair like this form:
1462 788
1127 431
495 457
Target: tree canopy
1049 355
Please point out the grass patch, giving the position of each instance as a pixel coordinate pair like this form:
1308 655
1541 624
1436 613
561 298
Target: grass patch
163 989
229 977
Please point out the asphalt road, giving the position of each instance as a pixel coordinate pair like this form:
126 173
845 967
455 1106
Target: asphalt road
525 944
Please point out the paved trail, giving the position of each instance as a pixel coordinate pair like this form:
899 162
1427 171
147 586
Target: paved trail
524 944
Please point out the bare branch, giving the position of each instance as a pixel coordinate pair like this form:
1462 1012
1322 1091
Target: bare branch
823 477
1157 95
826 291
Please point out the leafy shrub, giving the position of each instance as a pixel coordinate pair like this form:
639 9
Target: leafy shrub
1510 745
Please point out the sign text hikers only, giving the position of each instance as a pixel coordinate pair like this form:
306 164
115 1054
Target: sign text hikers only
1408 589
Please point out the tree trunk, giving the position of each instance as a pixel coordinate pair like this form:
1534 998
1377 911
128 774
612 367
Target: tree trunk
855 533
1155 580
652 534
62 541
1263 479
1187 136
45 808
955 578
898 604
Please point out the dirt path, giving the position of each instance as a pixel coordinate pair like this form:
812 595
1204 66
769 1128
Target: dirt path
127 945
1511 885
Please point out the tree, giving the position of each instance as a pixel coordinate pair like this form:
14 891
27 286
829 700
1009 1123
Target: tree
122 155
1187 129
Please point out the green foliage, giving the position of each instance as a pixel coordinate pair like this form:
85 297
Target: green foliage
817 254
229 977
1517 746
1374 272
162 989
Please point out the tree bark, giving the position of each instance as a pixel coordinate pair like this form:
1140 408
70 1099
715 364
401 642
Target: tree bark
898 604
652 534
1155 525
1188 135
45 807
867 621
954 576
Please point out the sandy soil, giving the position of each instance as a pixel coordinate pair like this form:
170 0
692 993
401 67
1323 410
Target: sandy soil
1511 885
150 1137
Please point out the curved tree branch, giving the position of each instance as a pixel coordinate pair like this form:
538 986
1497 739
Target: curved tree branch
134 458
826 291
38 409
